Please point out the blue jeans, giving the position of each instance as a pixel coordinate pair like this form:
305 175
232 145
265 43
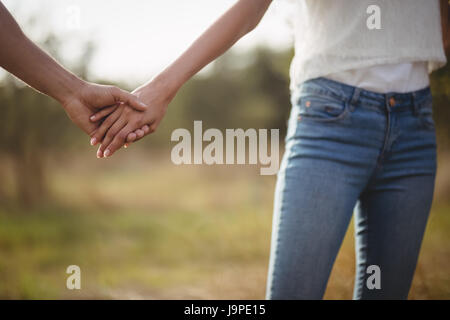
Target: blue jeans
348 148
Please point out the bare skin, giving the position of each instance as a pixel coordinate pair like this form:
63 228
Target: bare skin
80 99
240 19
127 126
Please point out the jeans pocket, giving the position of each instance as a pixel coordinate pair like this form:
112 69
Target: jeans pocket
425 114
322 108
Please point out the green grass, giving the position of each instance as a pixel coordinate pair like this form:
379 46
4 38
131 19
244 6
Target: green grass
123 251
147 229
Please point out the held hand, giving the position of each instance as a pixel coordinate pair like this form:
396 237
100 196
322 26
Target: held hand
89 98
126 125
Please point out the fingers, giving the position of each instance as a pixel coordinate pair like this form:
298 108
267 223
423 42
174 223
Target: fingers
128 98
147 129
103 113
118 141
103 150
130 138
137 135
98 134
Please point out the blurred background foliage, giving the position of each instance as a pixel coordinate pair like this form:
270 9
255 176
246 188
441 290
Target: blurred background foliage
240 91
141 227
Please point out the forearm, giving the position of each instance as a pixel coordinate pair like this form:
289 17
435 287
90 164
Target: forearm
28 62
218 38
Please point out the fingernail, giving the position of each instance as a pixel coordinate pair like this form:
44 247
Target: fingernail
92 118
143 104
99 154
93 141
125 146
107 153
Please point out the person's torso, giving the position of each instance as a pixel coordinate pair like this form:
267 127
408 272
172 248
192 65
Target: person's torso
398 77
376 44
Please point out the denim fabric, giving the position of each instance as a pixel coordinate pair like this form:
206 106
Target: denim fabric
351 150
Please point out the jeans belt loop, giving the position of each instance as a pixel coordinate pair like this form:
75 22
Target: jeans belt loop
355 97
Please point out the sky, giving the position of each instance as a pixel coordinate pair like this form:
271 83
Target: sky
135 39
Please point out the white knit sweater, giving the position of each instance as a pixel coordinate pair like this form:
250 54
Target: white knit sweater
332 36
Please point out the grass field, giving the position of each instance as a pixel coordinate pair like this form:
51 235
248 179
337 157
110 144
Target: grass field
142 228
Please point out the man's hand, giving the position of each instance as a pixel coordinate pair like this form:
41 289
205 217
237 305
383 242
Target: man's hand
123 124
20 56
89 98
239 20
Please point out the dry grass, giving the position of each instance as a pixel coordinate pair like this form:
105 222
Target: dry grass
142 228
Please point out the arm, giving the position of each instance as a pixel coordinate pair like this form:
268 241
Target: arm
445 21
28 62
239 20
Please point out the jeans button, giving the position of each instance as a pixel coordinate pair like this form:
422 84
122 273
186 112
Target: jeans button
392 101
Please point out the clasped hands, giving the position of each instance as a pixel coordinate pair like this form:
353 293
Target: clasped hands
113 117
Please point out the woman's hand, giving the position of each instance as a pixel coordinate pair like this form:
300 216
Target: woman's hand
125 125
88 98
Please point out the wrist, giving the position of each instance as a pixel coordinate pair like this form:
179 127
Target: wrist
165 84
71 89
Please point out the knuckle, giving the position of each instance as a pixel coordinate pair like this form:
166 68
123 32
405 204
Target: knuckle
102 132
109 136
122 136
114 89
117 143
140 122
106 124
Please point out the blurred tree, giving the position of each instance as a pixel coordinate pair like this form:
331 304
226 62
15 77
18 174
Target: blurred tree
249 90
31 126
440 87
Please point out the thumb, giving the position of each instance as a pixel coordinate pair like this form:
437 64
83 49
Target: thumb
129 99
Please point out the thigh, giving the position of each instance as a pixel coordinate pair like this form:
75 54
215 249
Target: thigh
392 213
317 187
311 215
389 227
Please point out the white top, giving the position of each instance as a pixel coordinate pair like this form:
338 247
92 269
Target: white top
332 38
383 78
